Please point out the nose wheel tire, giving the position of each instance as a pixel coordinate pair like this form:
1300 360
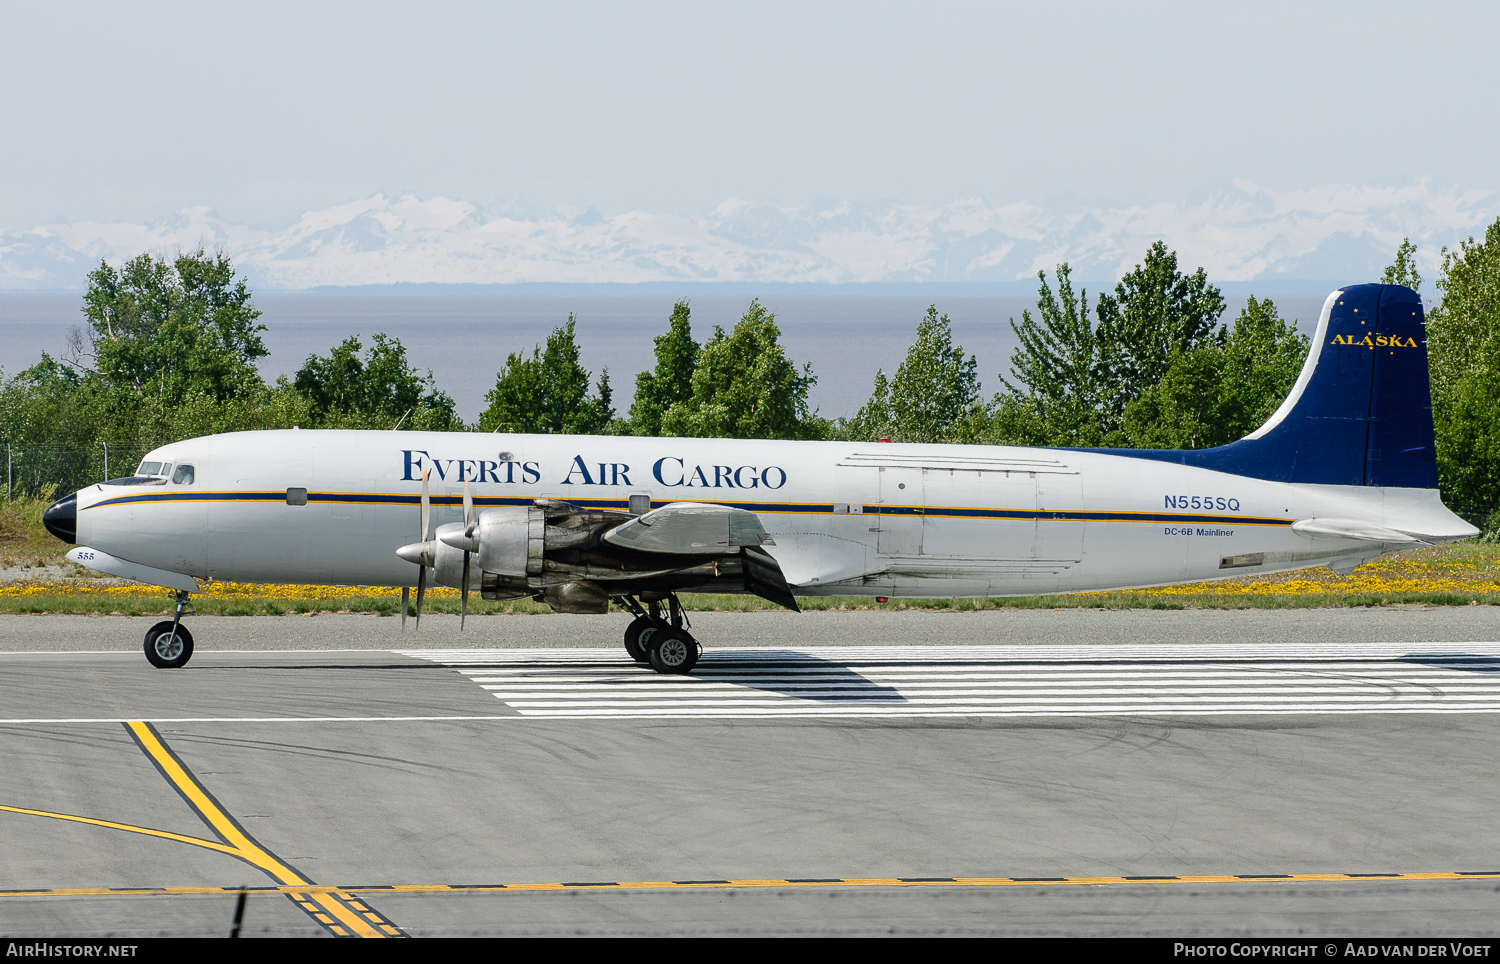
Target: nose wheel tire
672 651
168 650
637 637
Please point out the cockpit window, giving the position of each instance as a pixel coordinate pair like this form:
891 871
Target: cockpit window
149 468
183 475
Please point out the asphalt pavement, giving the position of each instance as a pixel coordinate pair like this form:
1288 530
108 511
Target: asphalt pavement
1167 773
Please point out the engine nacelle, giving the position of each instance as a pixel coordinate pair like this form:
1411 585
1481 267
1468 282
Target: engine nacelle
448 561
512 540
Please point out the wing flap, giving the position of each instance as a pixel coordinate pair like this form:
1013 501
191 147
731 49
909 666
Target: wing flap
764 578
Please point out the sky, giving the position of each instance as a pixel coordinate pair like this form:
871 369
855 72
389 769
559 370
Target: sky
261 113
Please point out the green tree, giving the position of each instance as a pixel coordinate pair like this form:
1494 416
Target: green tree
934 388
379 390
166 329
168 350
1061 386
46 410
746 387
672 380
874 420
1403 271
1463 351
548 393
1155 314
1223 388
1073 379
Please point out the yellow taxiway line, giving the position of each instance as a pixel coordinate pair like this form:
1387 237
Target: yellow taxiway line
338 910
332 907
756 882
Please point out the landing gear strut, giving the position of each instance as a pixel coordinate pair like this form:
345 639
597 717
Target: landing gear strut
660 639
168 644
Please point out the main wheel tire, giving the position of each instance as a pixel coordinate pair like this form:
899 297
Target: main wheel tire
166 651
637 634
672 651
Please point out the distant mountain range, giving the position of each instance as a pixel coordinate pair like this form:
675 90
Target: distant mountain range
1236 230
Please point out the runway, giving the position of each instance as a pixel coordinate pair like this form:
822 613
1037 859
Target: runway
973 681
1153 784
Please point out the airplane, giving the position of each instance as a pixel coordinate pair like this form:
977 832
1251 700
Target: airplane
1342 472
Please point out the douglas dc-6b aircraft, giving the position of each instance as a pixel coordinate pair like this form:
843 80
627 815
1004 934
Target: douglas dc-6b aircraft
1342 472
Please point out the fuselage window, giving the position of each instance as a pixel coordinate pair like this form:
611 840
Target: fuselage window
183 475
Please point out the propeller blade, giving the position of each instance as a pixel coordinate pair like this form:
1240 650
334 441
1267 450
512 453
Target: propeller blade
468 510
426 506
421 553
463 595
421 589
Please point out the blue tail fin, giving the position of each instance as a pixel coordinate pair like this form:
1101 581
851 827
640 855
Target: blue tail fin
1361 411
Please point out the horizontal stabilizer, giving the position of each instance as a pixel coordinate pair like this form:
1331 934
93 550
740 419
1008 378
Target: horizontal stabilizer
1353 529
691 528
125 569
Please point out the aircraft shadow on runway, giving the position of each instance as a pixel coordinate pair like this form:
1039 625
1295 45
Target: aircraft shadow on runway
783 672
1467 662
794 674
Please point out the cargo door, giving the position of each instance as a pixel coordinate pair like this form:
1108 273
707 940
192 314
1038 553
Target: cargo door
979 513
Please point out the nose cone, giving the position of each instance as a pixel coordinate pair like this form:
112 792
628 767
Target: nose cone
61 518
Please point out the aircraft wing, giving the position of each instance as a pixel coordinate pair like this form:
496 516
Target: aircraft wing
691 528
697 528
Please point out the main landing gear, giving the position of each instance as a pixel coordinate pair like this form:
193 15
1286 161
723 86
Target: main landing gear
661 640
168 644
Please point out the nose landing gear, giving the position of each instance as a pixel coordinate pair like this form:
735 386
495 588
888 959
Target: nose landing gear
169 645
663 641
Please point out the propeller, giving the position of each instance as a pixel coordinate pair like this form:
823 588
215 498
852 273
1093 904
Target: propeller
428 550
423 553
463 597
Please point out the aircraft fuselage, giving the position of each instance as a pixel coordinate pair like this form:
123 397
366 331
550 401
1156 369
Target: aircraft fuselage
332 507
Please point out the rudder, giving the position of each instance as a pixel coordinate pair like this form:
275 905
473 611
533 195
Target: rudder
1401 449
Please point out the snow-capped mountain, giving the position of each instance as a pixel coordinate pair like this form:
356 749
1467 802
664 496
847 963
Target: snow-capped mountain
1236 230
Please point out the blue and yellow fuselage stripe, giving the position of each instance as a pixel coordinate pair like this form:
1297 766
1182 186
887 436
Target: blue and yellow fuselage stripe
779 508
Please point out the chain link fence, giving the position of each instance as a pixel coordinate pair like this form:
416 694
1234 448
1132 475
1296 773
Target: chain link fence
1482 514
31 470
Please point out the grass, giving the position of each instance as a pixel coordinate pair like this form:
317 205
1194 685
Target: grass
24 542
1459 574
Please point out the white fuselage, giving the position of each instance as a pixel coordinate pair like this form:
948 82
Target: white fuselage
847 518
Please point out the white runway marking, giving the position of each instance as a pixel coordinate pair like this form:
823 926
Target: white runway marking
890 681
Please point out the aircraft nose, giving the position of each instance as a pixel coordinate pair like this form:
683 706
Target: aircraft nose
61 518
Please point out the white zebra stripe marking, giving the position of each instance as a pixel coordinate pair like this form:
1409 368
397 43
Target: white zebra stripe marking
872 682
